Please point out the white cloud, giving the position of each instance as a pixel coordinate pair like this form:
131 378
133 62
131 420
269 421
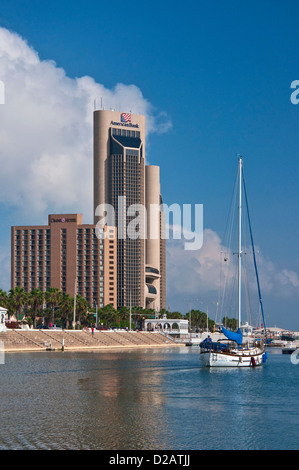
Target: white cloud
191 271
201 275
282 283
46 130
291 277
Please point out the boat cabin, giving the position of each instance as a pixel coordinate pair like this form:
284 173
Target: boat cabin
247 330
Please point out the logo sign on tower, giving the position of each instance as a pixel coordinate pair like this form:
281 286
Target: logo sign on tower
125 117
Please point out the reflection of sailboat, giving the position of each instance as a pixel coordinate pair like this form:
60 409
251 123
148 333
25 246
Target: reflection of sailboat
231 352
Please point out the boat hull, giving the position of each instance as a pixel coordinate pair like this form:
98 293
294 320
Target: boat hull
221 359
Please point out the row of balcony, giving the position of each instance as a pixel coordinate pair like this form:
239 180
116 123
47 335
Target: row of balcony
151 274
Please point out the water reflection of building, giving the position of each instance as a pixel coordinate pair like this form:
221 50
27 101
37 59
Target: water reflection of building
173 327
123 409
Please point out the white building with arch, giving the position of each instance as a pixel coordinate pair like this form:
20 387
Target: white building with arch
176 327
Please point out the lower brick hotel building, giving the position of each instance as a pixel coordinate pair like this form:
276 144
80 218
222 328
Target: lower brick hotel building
68 255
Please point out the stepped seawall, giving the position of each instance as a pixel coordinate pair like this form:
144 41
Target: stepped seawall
76 340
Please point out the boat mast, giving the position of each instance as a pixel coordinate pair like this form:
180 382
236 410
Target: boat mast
254 257
240 244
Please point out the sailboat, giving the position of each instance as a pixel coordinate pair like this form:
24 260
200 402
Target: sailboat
232 352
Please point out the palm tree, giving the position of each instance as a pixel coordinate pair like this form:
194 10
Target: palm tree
66 307
124 314
199 320
36 300
81 308
230 323
108 315
3 299
18 298
174 315
52 298
136 314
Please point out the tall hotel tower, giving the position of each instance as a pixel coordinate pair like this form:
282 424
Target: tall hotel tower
122 180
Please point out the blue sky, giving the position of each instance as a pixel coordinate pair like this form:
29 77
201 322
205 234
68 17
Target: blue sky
216 80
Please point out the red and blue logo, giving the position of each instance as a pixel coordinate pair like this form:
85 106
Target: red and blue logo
125 117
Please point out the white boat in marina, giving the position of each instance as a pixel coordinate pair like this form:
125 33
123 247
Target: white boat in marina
233 352
229 354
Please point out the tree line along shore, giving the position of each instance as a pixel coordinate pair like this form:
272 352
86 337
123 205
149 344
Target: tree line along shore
54 307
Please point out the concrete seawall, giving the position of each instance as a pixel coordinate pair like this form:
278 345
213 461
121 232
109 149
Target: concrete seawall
70 340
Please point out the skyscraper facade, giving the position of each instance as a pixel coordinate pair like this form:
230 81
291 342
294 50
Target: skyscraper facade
132 189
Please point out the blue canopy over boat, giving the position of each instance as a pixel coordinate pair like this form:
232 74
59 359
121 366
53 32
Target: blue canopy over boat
238 337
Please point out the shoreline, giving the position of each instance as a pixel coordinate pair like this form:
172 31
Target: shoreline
94 348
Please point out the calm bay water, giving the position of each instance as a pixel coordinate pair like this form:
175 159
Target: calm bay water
146 399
